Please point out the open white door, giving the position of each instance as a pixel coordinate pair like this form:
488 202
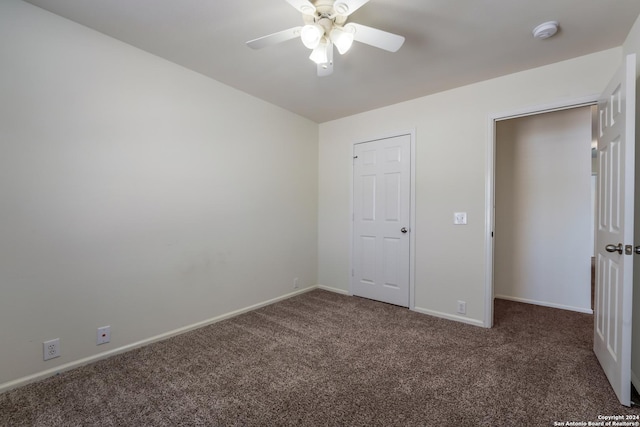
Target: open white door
381 219
614 234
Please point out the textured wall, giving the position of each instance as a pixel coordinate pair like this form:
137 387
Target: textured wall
136 194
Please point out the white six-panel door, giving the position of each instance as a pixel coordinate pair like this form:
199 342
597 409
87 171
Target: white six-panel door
381 219
614 234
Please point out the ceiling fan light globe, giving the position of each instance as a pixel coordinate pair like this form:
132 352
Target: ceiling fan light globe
341 8
347 7
342 39
311 35
307 10
320 54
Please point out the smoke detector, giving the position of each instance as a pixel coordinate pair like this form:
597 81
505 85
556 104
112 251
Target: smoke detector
545 30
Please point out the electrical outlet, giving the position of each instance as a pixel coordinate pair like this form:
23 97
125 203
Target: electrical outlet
104 335
460 218
295 283
51 349
462 307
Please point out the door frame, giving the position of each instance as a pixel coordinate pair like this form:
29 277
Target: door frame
490 183
412 209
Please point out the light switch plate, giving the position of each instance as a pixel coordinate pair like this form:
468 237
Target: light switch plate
460 218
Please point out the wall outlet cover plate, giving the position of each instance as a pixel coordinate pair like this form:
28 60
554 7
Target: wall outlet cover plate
51 349
460 218
104 335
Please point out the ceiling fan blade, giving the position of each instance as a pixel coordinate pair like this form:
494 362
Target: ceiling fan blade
275 38
377 38
347 7
326 69
303 6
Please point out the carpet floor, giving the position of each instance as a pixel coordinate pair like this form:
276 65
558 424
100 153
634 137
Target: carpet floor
323 359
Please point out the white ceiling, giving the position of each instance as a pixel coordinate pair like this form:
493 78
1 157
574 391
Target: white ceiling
449 43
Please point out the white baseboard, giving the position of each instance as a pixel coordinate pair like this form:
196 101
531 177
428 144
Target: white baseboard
85 361
447 316
454 317
335 290
635 381
546 304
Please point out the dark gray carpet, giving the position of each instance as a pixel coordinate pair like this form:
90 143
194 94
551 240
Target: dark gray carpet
327 359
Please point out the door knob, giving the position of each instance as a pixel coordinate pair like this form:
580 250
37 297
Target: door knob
637 250
404 230
614 248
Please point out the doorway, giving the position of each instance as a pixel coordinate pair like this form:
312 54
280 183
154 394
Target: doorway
615 232
543 209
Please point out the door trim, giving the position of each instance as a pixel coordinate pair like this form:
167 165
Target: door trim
490 183
412 209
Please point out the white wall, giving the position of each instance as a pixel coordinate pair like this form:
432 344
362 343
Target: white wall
632 45
543 217
136 194
451 172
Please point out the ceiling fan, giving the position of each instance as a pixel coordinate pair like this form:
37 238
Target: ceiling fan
326 26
